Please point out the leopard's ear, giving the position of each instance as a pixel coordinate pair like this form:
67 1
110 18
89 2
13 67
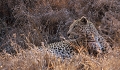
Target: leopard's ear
84 20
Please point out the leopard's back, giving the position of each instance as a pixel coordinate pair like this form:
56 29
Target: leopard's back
62 49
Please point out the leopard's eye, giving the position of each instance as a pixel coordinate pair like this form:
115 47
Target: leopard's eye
74 26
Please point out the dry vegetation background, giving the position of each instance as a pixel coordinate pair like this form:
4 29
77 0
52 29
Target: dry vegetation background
24 24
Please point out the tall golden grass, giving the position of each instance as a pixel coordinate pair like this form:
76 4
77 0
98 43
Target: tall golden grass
34 59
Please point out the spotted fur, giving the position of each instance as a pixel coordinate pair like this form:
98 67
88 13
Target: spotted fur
85 31
81 32
64 49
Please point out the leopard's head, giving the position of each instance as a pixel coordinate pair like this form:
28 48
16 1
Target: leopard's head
84 31
79 28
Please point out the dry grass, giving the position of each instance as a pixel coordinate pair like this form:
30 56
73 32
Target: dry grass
34 59
24 24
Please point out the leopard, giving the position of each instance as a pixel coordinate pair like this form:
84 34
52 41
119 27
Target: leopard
81 33
63 49
86 34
